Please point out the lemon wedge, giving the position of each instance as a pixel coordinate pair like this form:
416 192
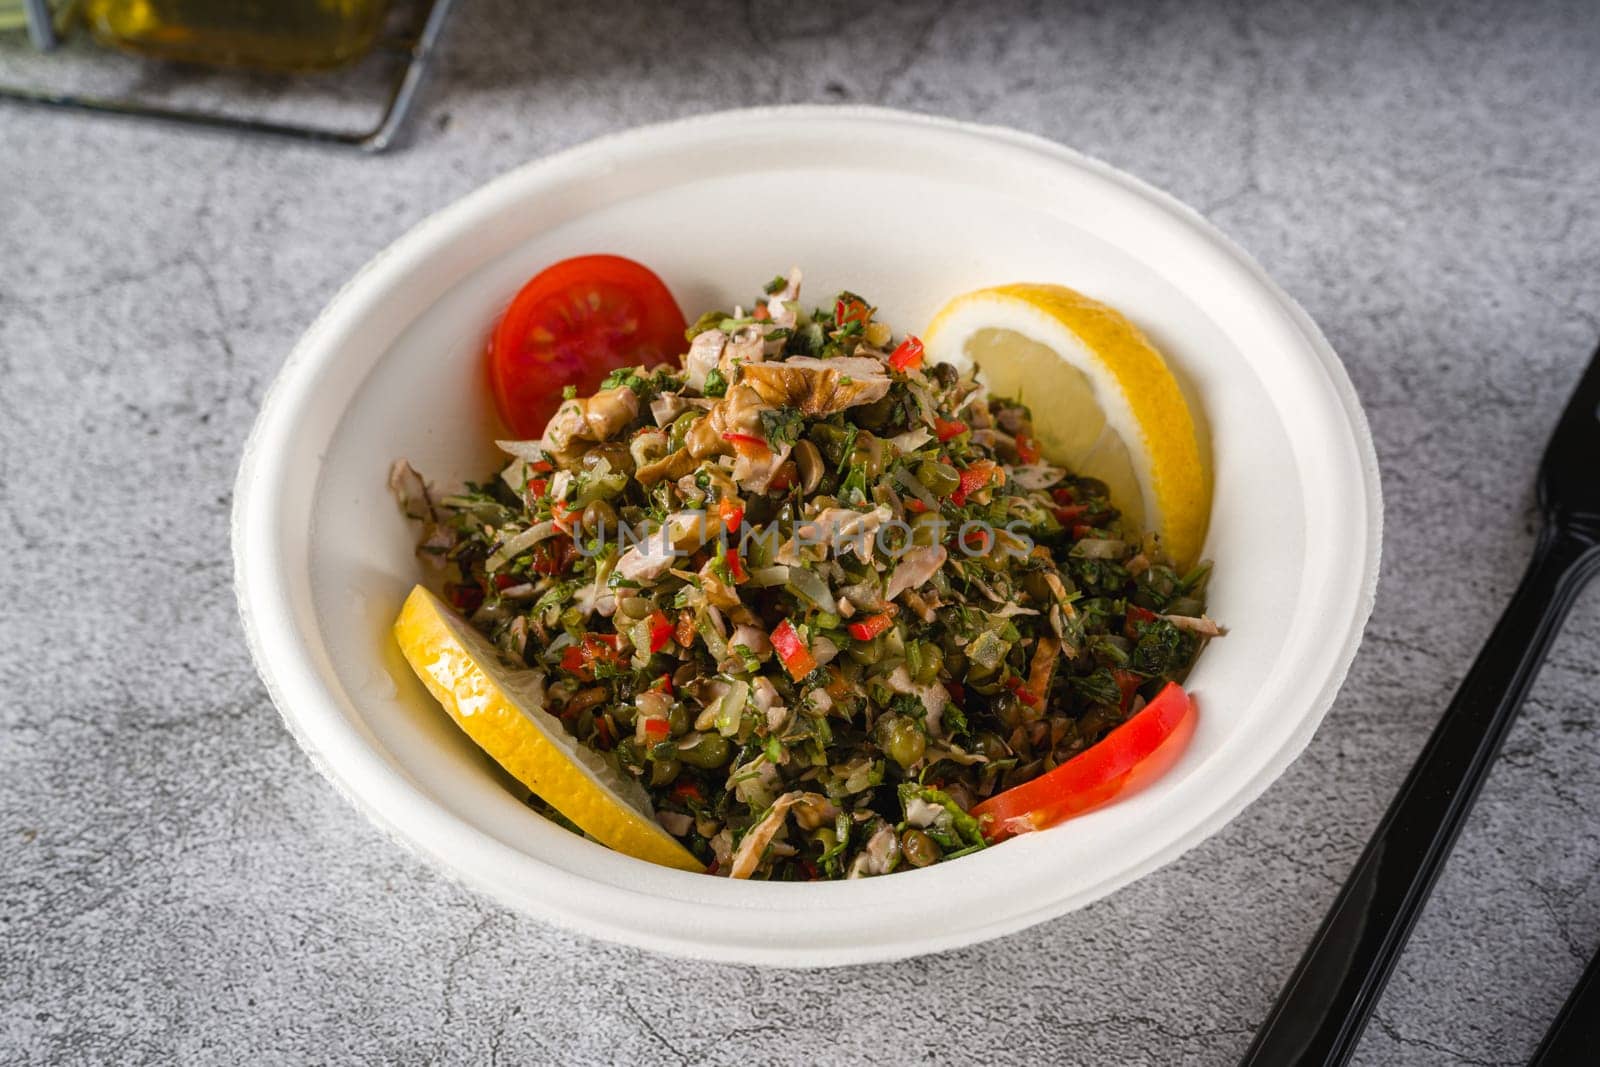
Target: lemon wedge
1104 403
502 709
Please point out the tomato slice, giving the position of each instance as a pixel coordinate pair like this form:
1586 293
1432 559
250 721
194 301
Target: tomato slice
572 324
1138 751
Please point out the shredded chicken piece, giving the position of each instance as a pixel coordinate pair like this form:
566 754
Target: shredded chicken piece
916 567
780 314
594 418
818 387
704 352
747 857
1205 626
880 855
666 407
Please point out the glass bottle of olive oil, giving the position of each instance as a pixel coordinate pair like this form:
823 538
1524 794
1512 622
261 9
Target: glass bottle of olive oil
281 35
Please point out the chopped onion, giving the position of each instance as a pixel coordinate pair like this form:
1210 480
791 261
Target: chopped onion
510 550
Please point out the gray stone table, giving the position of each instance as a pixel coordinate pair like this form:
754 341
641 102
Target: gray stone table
177 883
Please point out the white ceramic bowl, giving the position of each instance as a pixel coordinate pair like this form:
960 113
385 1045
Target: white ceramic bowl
910 211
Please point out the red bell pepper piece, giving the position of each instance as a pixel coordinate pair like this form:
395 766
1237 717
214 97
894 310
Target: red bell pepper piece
792 651
1136 752
973 479
907 355
660 630
946 429
871 626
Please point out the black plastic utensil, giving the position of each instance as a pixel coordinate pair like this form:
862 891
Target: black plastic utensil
1575 1035
1324 1006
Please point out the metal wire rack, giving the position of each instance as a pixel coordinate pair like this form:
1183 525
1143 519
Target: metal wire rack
413 48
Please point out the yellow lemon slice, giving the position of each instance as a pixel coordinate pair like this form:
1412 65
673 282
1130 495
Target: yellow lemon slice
1104 403
502 709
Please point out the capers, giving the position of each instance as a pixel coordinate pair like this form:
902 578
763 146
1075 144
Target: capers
919 849
932 659
808 460
599 517
678 720
662 772
902 739
708 752
941 479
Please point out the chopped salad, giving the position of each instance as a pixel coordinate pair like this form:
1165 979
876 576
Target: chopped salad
826 601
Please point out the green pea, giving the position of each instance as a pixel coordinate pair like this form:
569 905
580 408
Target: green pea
868 455
709 752
929 529
902 739
932 660
866 653
678 721
662 772
919 849
941 479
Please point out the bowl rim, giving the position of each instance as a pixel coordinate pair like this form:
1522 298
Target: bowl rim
382 792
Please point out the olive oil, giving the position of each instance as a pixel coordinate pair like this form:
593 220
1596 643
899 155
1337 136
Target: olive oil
279 35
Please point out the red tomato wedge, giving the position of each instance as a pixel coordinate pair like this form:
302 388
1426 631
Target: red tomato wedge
1137 752
573 324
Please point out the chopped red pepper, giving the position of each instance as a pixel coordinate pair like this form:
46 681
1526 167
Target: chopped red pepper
663 684
915 506
580 659
871 626
1082 530
464 598
543 466
656 728
687 789
562 516
732 514
736 566
973 479
1136 616
553 555
761 313
1071 513
907 355
947 429
976 540
537 486
1027 448
1023 693
851 311
1064 495
792 651
660 630
1129 683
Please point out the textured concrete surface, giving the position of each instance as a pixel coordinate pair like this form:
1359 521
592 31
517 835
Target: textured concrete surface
176 883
